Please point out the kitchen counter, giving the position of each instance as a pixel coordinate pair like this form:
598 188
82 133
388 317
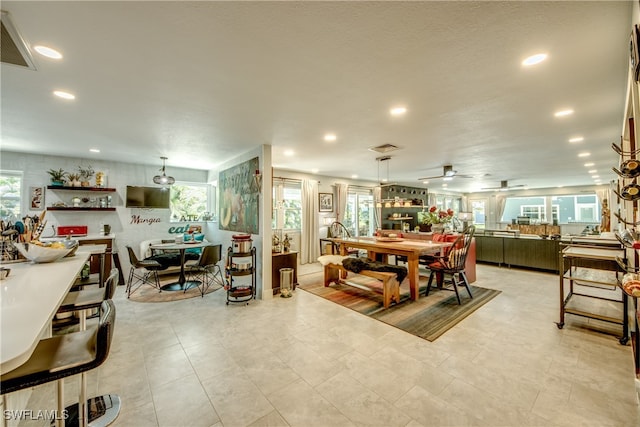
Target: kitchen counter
29 298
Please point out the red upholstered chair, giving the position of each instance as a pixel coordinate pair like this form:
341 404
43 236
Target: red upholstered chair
451 264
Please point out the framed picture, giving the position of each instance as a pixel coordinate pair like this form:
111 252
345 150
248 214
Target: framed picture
326 202
36 195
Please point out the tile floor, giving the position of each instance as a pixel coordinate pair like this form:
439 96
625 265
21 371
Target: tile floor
304 361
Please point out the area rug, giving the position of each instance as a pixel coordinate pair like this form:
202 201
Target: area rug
427 318
146 293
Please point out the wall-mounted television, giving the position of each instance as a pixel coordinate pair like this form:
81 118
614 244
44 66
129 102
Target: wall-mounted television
147 197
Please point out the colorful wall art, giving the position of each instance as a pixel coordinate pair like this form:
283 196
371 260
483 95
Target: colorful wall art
239 198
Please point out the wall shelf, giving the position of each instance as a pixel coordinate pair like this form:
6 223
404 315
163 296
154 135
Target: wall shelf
97 189
82 208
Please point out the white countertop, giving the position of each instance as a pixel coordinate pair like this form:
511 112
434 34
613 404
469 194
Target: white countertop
80 238
29 298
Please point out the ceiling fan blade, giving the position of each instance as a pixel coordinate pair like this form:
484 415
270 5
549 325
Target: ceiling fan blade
430 177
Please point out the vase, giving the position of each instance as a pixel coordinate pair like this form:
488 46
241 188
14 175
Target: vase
437 228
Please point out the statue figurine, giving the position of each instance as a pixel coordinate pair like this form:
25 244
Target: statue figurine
605 222
286 243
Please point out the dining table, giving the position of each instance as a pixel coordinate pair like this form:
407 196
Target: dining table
384 246
182 283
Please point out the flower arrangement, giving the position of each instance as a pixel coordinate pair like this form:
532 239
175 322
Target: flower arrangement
435 216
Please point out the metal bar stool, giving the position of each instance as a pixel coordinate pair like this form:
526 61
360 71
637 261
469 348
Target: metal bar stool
100 410
62 356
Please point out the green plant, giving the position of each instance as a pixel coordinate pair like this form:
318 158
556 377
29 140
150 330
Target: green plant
73 176
85 172
57 175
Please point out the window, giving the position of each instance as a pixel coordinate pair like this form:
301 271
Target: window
287 205
478 209
533 212
10 195
191 201
582 208
359 215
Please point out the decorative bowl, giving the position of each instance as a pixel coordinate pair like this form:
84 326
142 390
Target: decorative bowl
41 254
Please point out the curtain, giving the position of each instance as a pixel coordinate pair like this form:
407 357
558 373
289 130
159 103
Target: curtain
341 205
309 250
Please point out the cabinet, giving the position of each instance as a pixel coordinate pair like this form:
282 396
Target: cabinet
240 272
404 202
587 284
91 198
283 260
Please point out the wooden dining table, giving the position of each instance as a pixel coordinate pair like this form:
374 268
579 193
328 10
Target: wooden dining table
412 249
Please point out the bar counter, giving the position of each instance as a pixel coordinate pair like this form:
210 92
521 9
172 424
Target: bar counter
29 298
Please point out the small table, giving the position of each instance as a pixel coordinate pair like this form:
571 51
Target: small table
182 284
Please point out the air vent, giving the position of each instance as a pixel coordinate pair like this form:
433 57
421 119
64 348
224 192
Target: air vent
13 49
384 148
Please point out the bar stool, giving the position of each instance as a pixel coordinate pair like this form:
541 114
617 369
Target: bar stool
62 356
84 301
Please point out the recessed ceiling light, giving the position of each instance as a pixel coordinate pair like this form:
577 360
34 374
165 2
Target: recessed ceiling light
595 176
593 171
315 170
447 178
534 59
398 111
330 137
354 176
576 139
563 113
585 154
288 153
588 165
48 52
94 150
64 95
425 182
444 185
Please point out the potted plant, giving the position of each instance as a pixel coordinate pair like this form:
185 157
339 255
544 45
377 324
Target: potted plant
57 176
74 179
86 173
435 220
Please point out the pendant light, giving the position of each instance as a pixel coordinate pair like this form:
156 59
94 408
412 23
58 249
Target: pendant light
163 179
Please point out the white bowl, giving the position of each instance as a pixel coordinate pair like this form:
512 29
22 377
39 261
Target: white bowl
41 254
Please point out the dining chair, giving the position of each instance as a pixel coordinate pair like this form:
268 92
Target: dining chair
451 264
338 230
142 271
207 268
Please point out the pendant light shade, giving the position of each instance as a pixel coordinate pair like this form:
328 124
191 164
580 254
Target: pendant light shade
163 179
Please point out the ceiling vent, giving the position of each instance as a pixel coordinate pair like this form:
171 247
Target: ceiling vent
13 49
384 148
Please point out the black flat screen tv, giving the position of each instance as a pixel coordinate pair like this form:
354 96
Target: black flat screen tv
147 197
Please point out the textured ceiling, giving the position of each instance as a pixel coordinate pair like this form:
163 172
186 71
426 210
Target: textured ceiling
200 82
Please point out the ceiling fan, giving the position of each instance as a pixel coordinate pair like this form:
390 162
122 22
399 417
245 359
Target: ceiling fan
504 185
447 173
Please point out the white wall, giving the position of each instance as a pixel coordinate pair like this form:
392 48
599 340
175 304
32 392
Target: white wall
119 175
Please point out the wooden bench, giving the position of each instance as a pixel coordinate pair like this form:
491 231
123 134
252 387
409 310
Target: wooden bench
387 284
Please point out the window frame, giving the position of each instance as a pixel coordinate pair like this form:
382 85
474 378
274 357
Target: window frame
210 204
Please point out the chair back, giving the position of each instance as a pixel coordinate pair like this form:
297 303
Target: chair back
338 230
210 255
133 259
457 255
104 333
110 284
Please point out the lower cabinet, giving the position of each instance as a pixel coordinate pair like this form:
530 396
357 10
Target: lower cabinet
542 254
533 253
